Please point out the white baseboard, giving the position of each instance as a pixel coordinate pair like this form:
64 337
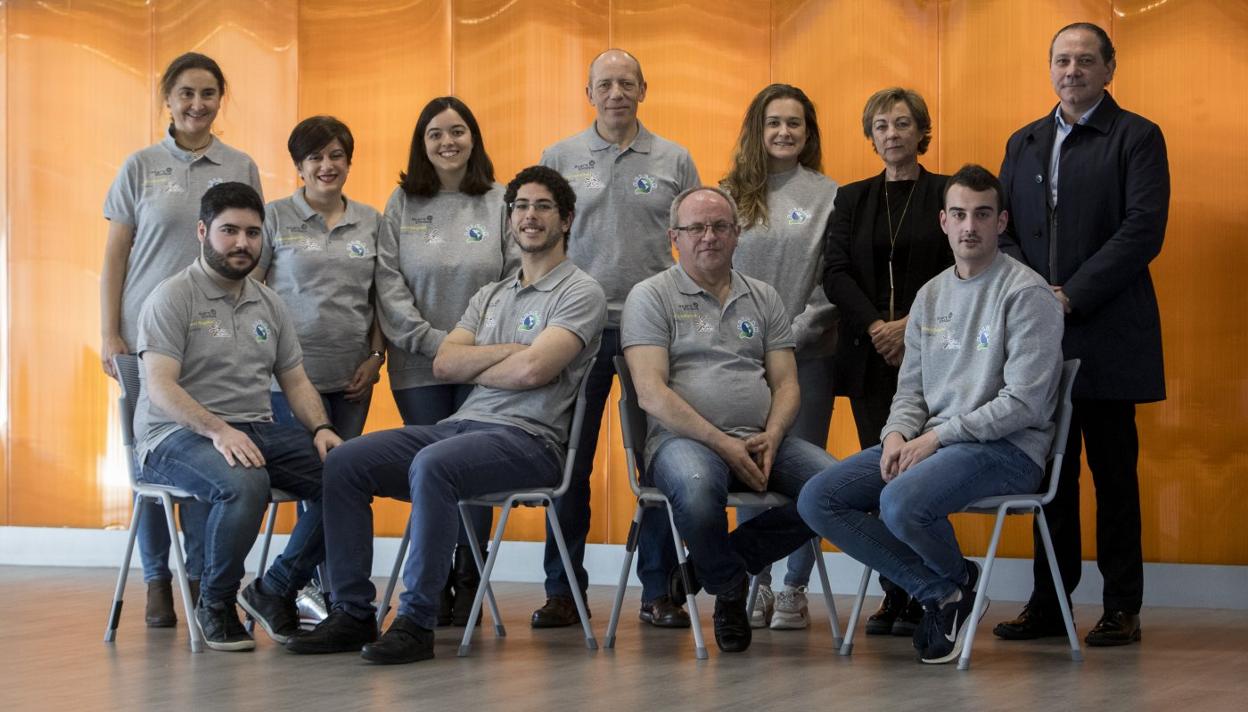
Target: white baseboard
1178 585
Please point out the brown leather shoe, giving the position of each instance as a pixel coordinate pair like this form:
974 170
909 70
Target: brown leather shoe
893 605
159 612
1115 628
663 613
1034 622
559 611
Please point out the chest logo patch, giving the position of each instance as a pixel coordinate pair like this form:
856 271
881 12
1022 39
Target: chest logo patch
797 216
981 341
702 326
644 184
434 237
356 250
746 329
529 321
261 331
950 343
174 187
475 233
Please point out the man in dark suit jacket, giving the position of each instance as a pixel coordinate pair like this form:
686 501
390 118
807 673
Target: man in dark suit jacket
1088 190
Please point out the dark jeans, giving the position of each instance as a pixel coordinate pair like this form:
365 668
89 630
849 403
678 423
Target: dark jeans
432 466
346 416
655 556
1113 445
871 413
426 405
153 538
238 497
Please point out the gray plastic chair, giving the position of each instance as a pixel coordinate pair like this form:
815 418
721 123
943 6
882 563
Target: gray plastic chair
633 429
507 500
1001 506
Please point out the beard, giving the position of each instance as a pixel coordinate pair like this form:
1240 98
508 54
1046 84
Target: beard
551 240
219 262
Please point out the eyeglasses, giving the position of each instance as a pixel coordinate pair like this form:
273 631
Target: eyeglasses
540 207
721 229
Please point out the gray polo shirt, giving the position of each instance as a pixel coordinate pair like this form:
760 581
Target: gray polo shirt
229 351
715 353
157 191
325 278
437 253
787 253
619 234
506 312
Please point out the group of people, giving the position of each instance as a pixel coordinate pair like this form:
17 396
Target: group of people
942 306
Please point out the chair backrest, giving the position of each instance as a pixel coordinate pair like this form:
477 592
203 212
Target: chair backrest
1061 416
633 426
127 367
574 432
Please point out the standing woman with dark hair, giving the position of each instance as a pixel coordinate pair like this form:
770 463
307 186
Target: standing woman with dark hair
320 251
884 242
152 208
784 201
447 240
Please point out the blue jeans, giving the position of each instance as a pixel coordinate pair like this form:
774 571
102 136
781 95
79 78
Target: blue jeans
153 539
426 405
346 416
814 375
697 482
431 466
655 557
911 541
238 496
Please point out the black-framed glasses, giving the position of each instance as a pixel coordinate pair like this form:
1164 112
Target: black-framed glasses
541 207
721 229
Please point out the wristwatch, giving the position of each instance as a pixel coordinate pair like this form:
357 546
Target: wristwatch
379 354
324 426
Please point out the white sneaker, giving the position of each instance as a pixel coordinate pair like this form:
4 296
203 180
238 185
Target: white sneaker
791 611
764 607
311 605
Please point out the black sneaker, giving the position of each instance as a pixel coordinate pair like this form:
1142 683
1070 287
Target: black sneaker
221 627
341 632
278 615
908 622
947 633
732 622
973 572
923 631
403 642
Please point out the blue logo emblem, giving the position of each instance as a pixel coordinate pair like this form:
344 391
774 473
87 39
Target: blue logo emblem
475 233
261 330
745 329
981 341
797 216
529 321
356 249
643 184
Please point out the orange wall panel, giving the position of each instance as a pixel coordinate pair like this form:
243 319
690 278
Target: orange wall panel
4 273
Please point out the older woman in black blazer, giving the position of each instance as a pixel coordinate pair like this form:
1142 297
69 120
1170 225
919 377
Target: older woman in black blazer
884 242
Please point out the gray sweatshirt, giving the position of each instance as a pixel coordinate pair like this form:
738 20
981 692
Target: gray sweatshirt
436 253
983 360
787 253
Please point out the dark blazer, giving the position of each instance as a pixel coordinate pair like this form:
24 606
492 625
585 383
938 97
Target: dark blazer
1112 203
849 265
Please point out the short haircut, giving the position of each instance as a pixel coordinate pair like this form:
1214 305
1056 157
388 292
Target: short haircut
190 60
316 132
976 178
883 100
225 196
421 178
641 78
553 180
673 221
1107 46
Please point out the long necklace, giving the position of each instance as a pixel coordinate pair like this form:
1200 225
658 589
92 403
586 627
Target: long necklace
892 244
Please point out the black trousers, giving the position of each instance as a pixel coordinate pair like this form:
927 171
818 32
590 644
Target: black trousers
1107 430
870 415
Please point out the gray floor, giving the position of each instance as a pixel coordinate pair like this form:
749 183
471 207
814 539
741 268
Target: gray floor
52 658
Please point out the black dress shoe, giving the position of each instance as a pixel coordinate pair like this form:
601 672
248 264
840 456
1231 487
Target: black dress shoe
732 622
894 603
1034 622
1115 628
159 612
339 633
559 612
466 579
676 583
662 613
909 620
404 642
446 602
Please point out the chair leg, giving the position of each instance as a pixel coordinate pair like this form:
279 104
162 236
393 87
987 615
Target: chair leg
1076 653
847 645
630 547
114 613
175 547
590 641
981 596
753 594
699 643
833 619
495 544
384 608
477 557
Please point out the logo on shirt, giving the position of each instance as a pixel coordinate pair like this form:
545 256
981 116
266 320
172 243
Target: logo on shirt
434 237
584 166
643 184
797 216
981 341
174 187
950 343
356 250
475 233
261 331
214 182
746 329
529 321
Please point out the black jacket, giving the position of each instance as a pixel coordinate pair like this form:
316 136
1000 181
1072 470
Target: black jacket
849 266
1113 200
